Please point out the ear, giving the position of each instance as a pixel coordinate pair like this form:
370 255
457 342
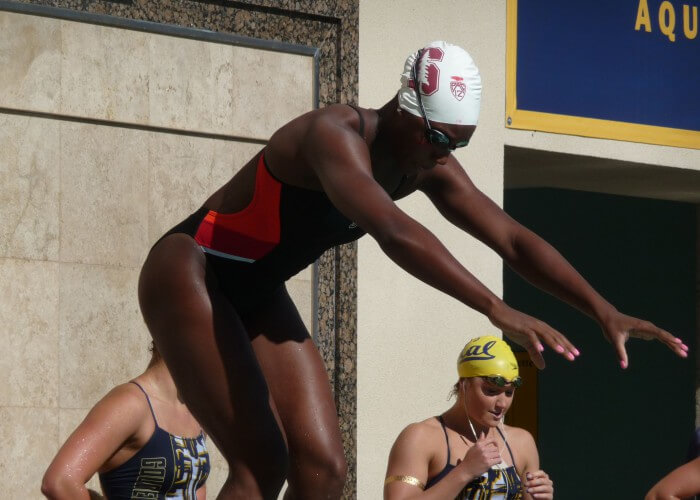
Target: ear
463 386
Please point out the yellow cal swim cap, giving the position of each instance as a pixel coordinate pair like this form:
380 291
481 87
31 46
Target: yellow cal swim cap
486 357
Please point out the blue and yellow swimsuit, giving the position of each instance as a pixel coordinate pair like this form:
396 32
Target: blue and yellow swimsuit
500 482
167 467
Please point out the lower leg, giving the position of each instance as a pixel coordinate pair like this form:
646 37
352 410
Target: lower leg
299 386
244 484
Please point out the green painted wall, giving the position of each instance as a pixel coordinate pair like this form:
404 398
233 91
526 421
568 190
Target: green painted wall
604 432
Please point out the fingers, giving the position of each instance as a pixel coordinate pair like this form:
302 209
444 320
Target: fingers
649 331
484 443
540 491
554 339
530 333
673 343
557 341
619 344
488 447
482 456
534 350
541 480
494 461
538 485
492 456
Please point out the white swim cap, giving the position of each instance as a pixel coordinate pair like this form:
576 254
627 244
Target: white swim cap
450 85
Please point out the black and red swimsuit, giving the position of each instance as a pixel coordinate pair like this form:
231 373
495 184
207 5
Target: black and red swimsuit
283 229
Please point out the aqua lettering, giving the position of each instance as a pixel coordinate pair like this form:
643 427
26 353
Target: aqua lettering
667 20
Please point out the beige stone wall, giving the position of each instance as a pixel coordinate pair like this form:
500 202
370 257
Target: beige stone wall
83 197
83 70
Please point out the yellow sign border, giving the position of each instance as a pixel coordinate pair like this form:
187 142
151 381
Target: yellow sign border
576 125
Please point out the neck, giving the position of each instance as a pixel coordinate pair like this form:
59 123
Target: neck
457 419
160 381
381 142
387 115
386 111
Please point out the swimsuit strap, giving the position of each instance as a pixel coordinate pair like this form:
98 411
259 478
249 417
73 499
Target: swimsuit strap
507 446
362 134
444 429
362 121
403 180
148 400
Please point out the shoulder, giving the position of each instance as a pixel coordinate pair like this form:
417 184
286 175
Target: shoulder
420 436
519 435
315 128
520 438
123 401
332 137
523 445
415 448
116 419
337 117
334 127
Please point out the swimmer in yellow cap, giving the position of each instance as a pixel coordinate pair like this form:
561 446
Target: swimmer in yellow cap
468 452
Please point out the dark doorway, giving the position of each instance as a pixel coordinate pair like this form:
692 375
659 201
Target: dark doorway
604 432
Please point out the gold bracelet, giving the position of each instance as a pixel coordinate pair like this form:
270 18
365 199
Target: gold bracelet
413 481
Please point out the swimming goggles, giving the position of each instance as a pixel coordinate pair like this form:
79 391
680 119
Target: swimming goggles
434 137
502 381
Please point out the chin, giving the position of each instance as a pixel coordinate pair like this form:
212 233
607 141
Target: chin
493 421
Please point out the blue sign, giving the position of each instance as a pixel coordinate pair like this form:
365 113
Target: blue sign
618 69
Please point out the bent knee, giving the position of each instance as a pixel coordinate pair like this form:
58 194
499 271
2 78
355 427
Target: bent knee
324 475
263 462
335 468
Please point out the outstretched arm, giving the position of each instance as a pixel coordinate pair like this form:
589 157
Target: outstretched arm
453 193
341 161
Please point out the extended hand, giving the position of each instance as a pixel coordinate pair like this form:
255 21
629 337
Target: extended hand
528 332
618 327
538 485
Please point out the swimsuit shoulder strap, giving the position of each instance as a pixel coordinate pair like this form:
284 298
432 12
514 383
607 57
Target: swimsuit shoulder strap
507 446
148 400
362 120
362 134
444 429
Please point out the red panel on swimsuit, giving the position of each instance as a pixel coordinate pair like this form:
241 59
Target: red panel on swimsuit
251 233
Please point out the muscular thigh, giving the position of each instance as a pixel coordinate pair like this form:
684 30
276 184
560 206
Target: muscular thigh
205 345
296 377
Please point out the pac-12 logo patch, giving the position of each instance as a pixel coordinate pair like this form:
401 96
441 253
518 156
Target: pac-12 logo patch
458 87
